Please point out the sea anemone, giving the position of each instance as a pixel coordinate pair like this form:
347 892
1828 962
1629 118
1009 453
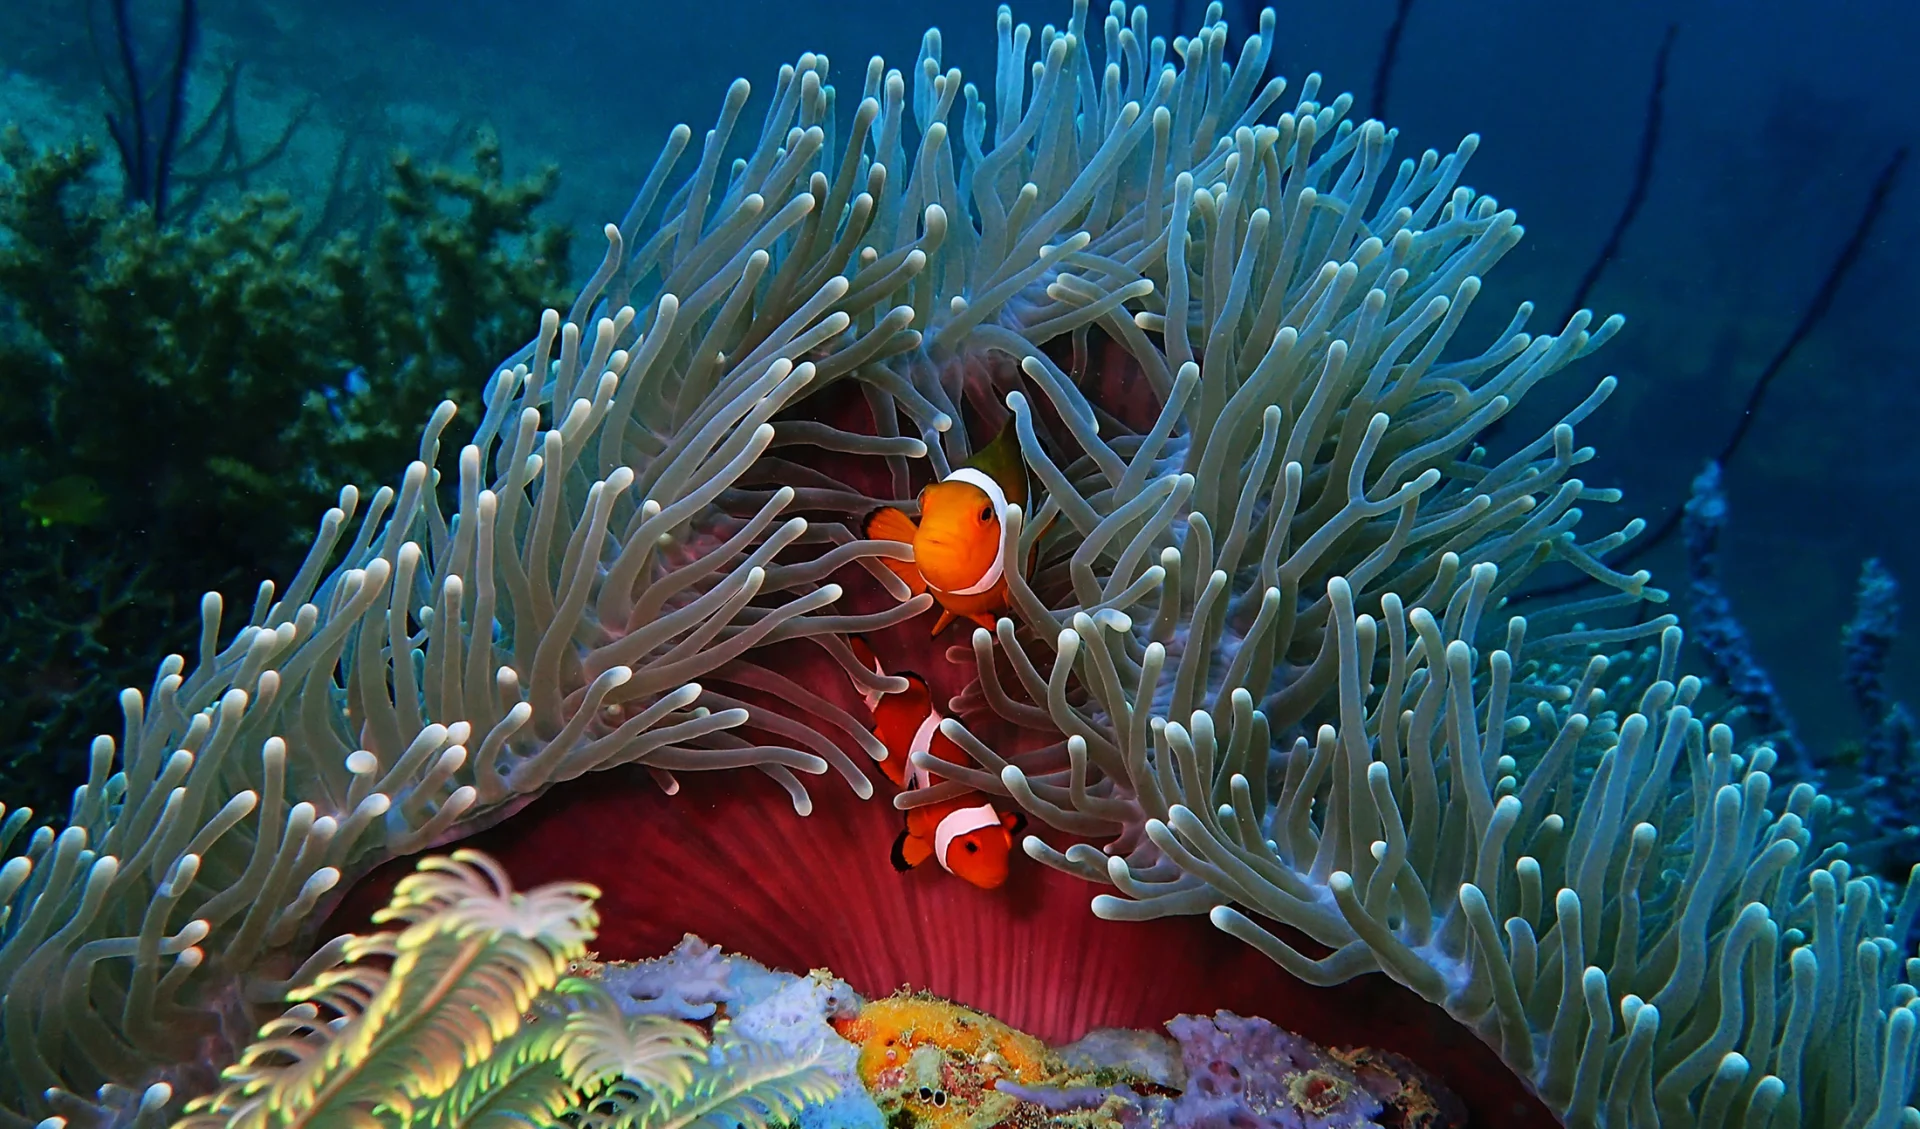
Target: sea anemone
1263 680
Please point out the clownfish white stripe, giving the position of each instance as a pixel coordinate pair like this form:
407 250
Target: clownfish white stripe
962 822
918 777
986 485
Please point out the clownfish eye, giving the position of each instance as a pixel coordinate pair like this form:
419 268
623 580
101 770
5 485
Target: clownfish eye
986 512
972 847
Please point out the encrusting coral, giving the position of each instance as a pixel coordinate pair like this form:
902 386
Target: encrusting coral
943 1062
779 1050
934 1064
1262 659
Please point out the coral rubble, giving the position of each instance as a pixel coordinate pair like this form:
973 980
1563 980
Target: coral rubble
942 1062
929 1062
486 1008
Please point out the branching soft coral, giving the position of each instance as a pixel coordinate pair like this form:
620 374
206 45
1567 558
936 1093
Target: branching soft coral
394 1027
466 1017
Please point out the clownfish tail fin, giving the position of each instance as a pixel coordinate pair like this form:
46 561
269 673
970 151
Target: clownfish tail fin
909 852
899 855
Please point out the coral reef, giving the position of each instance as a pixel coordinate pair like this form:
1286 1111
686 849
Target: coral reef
739 866
743 1084
147 121
1871 777
470 1016
1246 1071
1262 673
942 1063
785 1017
690 982
1890 793
1717 628
485 1009
932 1063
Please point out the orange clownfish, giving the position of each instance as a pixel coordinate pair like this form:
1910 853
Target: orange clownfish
958 553
966 835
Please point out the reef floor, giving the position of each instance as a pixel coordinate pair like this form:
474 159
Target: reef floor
913 1060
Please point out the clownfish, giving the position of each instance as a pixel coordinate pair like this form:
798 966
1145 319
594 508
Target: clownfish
966 835
958 554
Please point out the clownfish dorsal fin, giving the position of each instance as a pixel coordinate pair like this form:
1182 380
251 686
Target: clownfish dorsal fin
1000 460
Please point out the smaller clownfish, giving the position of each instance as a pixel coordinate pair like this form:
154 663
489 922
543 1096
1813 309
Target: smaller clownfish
966 835
958 552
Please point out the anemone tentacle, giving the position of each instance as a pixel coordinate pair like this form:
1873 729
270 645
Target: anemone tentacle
1264 654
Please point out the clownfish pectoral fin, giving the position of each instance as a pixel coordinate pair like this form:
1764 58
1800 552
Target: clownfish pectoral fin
909 852
892 524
